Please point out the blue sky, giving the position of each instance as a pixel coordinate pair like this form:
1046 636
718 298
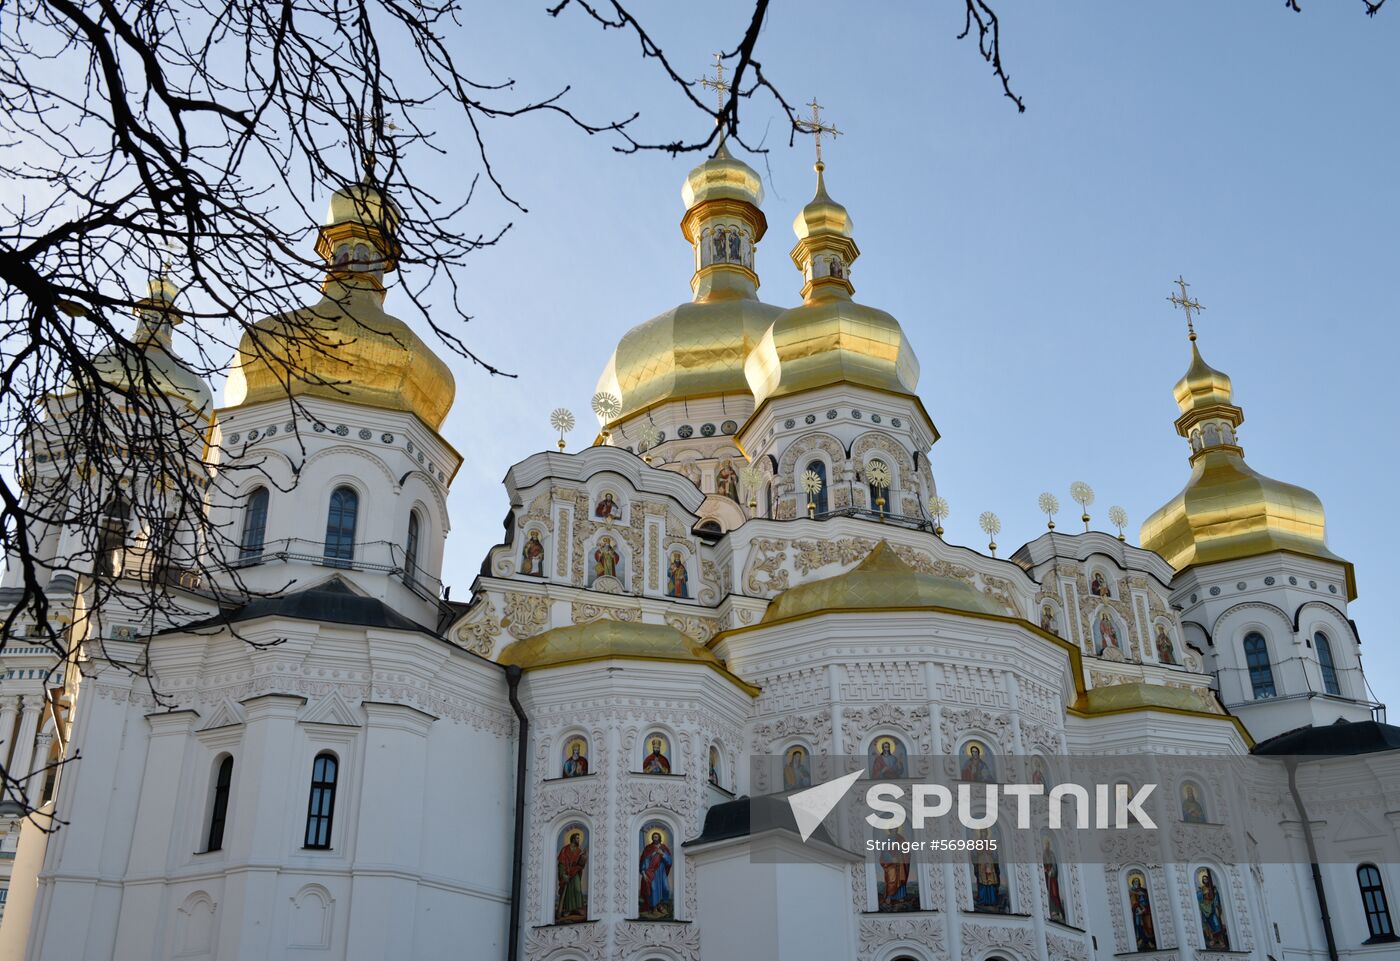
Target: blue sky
1028 256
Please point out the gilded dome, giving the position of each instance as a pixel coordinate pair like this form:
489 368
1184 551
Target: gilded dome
1228 510
697 349
822 216
164 373
607 639
880 582
346 347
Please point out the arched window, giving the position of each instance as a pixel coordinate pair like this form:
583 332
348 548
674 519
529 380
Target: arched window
1324 660
320 807
254 525
1256 657
218 809
111 535
819 498
1374 903
340 527
410 549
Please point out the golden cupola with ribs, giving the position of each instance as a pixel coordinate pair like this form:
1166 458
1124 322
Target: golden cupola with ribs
1227 510
829 339
697 349
346 347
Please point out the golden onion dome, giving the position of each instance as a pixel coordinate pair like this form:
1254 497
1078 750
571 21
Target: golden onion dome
1228 510
697 349
881 582
163 373
607 639
346 347
829 339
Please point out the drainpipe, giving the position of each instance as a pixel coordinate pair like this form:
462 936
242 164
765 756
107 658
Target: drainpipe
513 675
1312 857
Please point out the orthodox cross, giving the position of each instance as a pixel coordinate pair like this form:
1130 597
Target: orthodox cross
379 127
816 128
718 84
1187 304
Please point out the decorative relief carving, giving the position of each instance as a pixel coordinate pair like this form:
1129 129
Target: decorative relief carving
902 681
478 631
525 615
954 725
698 629
979 940
1062 948
766 575
538 512
877 932
586 611
910 722
973 686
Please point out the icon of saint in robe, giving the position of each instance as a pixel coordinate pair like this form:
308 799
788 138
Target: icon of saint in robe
1165 654
727 481
1099 586
896 891
576 761
1140 905
887 760
1108 634
1213 925
533 552
1047 620
1051 869
677 580
656 762
975 766
714 765
718 247
734 244
605 558
988 889
571 893
606 507
654 893
797 772
1192 810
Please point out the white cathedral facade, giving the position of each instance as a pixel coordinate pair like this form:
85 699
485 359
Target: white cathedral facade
747 562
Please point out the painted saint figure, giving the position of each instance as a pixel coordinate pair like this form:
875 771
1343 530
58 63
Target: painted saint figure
605 558
677 579
1192 810
1048 621
714 765
797 773
727 481
571 893
1140 905
718 246
1165 654
887 760
1051 869
654 894
657 762
533 553
1213 926
606 507
974 765
1098 586
896 892
988 890
1108 634
576 761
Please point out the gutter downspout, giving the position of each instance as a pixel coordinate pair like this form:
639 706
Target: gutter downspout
513 675
1292 764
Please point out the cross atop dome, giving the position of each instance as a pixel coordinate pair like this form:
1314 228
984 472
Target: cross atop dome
816 128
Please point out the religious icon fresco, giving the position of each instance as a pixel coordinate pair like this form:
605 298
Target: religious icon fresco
607 562
1048 620
657 759
1165 653
607 507
532 555
1213 926
1106 633
989 892
654 898
575 757
897 887
1140 907
1193 811
571 885
1039 773
1098 585
888 759
976 762
677 578
797 769
727 481
714 764
1050 869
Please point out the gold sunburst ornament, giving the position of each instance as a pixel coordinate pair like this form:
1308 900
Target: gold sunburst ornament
1049 506
562 420
607 407
647 438
751 479
1083 495
991 526
877 473
1119 519
938 510
812 486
